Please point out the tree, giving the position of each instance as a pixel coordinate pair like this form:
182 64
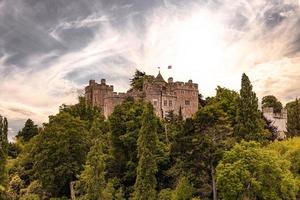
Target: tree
3 155
138 80
58 153
248 171
184 190
92 176
293 121
215 133
29 130
249 122
289 150
226 100
201 141
83 110
125 123
271 101
145 184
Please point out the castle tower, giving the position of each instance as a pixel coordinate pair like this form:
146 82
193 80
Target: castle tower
95 93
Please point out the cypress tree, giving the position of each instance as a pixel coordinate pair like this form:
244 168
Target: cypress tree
293 121
29 130
3 154
93 175
144 188
249 122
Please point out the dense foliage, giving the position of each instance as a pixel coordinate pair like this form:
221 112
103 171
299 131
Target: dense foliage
137 82
29 131
249 121
271 101
224 151
3 154
293 122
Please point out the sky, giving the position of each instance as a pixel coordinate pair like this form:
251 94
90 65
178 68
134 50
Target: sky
49 49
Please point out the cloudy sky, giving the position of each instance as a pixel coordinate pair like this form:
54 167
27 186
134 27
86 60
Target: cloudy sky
49 49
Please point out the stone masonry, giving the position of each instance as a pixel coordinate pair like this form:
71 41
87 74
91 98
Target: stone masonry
164 96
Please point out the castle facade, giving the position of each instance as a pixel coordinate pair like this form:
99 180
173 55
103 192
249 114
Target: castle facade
164 96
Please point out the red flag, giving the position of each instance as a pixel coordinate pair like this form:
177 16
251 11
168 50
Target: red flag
170 67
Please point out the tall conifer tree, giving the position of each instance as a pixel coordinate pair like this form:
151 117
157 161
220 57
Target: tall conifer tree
249 122
147 166
3 153
29 130
94 171
293 121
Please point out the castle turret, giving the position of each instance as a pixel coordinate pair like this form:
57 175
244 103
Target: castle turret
95 92
159 79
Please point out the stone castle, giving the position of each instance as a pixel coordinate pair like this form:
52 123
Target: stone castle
164 96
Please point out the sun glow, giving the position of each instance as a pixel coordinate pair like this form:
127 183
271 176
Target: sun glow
195 45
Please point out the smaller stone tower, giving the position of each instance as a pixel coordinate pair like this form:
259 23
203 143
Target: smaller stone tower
279 120
95 93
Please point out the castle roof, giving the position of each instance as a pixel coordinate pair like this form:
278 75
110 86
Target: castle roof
159 78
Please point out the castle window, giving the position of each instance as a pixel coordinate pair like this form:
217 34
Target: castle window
182 92
170 102
187 102
165 103
154 102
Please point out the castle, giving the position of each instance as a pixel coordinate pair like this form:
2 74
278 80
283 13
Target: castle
164 96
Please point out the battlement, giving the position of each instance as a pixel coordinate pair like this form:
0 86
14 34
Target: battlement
186 85
102 85
270 111
117 95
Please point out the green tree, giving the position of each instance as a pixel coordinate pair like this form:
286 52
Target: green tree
83 110
145 184
28 131
125 123
3 154
293 121
249 121
93 174
227 101
248 171
59 152
165 194
184 190
271 101
138 80
199 144
215 136
290 150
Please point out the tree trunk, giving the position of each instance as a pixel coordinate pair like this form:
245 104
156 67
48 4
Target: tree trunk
214 187
72 184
